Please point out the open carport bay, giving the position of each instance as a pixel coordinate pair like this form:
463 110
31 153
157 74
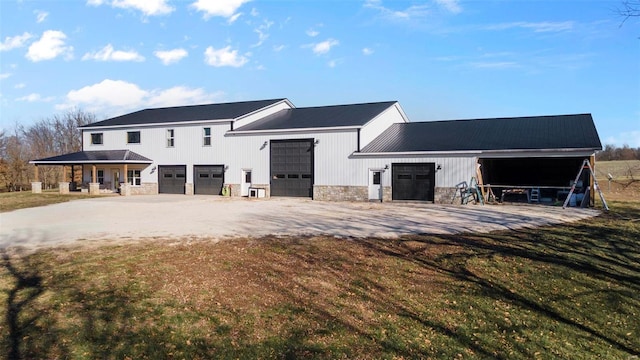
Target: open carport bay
116 219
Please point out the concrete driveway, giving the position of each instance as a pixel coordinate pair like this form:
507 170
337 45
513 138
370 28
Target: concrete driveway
115 219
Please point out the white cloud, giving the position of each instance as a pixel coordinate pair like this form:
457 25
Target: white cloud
495 65
224 57
114 96
262 32
323 47
631 138
12 42
254 12
109 54
452 6
49 46
278 48
4 75
535 26
234 17
40 15
35 98
19 86
414 11
147 7
367 51
171 56
181 95
313 33
223 8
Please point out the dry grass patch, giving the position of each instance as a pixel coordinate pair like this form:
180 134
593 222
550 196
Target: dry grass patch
25 199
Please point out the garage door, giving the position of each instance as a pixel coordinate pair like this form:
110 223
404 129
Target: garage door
292 168
172 179
208 179
413 181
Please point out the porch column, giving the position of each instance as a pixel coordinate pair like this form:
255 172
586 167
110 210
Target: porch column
36 185
592 193
94 187
125 189
63 186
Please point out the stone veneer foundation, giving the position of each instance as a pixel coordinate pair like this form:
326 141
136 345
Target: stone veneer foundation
443 195
144 189
340 193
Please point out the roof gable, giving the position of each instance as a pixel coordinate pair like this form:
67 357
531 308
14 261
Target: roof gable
220 111
353 115
517 133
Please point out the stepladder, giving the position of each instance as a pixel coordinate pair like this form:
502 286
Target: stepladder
586 165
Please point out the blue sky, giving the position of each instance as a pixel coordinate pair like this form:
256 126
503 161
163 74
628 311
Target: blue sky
441 59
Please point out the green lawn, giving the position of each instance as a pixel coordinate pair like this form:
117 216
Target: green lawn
570 291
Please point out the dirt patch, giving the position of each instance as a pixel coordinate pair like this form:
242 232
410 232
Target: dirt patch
116 219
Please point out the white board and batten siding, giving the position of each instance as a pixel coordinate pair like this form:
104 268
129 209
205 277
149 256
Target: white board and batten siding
252 151
188 149
380 123
453 169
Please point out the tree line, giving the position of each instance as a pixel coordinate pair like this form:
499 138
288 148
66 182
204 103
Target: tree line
52 136
612 152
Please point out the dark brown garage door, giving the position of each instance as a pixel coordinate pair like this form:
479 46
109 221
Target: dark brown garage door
413 181
208 179
292 168
172 179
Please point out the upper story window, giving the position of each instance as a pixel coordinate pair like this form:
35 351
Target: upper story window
170 138
133 137
96 139
206 139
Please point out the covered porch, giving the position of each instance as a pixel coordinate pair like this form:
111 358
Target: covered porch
106 171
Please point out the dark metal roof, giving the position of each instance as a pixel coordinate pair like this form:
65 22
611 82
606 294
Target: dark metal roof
187 113
320 117
518 133
90 157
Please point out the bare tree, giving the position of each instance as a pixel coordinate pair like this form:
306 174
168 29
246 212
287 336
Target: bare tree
56 135
629 9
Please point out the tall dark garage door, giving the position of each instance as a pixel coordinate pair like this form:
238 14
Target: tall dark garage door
413 181
292 168
172 179
208 179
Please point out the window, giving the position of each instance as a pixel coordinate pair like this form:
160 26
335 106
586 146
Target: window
133 176
100 175
96 139
170 137
133 137
206 140
376 178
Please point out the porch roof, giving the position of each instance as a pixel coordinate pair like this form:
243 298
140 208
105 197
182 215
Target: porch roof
95 157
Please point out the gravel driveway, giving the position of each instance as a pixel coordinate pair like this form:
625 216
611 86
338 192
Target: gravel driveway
114 218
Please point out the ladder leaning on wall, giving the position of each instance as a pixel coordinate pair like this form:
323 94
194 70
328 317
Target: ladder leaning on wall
586 165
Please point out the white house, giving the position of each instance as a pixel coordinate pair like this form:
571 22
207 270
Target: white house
358 152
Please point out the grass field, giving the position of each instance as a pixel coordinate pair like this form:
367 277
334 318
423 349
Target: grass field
25 199
569 291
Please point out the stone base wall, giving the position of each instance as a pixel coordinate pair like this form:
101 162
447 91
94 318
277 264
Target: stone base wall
386 194
235 189
94 188
188 189
144 189
443 195
340 193
63 187
36 187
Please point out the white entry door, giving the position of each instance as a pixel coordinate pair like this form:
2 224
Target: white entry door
246 183
375 185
